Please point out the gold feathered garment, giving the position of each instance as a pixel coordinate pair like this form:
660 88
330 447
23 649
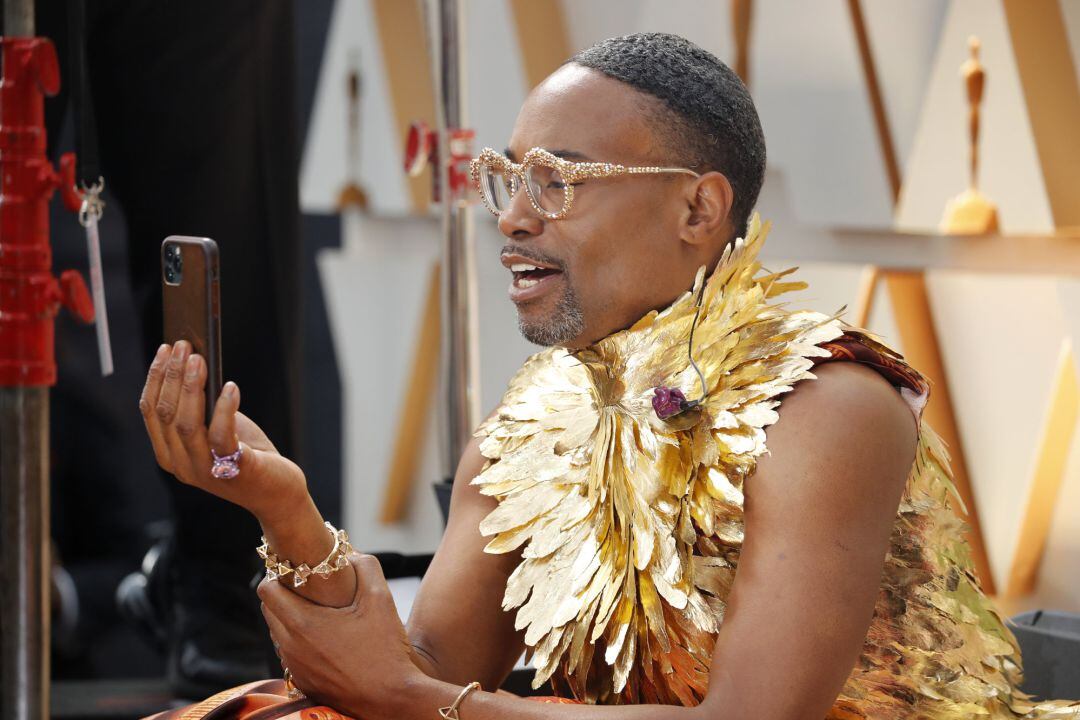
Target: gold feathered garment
631 526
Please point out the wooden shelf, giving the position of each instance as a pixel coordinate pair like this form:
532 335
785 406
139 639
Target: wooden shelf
1025 254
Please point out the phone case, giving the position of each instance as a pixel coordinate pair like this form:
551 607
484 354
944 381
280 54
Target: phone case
192 306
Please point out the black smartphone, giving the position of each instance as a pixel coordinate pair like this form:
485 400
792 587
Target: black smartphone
190 289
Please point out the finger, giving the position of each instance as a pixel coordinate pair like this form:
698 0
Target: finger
277 648
222 434
190 415
369 575
148 401
169 398
281 601
278 631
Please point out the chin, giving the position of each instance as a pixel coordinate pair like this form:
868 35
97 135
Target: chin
551 329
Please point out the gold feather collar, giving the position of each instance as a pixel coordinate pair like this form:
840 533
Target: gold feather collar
631 525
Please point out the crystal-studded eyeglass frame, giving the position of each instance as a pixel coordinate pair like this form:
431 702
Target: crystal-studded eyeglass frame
572 172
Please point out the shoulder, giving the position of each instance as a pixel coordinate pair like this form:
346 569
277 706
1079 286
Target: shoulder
846 422
847 393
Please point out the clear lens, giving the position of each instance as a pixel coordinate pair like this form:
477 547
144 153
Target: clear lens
498 186
546 187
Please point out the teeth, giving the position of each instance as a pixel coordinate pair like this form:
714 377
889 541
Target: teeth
526 282
522 267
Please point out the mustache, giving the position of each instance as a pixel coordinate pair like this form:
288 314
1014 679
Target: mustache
531 253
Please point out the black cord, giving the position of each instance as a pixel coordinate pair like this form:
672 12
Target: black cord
690 353
88 171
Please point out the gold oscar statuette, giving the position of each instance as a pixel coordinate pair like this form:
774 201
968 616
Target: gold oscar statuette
970 212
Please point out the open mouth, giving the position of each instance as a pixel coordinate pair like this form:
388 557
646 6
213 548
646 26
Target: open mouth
527 276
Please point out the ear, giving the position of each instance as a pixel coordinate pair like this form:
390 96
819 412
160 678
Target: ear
708 200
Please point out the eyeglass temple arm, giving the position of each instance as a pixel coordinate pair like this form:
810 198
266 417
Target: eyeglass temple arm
651 170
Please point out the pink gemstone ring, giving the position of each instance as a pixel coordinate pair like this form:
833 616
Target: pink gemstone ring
226 466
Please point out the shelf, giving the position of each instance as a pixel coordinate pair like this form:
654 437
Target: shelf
1025 254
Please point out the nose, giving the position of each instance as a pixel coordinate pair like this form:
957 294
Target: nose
520 219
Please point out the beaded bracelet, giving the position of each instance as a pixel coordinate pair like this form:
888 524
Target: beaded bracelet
276 568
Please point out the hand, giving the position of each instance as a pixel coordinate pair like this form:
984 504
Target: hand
173 408
356 659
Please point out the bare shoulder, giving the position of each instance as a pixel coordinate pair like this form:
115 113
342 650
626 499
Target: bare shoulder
819 512
848 389
847 420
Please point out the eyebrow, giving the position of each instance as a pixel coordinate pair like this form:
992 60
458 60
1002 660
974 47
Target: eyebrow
564 154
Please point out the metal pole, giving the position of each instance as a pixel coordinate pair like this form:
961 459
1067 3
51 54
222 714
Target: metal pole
24 519
24 534
460 371
19 18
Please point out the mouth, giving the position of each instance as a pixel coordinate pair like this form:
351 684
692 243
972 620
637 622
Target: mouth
531 278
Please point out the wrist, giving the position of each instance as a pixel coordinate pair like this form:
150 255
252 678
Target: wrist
417 696
294 508
296 531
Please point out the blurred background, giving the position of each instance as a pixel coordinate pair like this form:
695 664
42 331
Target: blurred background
865 113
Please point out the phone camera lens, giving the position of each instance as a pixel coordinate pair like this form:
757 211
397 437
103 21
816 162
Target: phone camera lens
174 264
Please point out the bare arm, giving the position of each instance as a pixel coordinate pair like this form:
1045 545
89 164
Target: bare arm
819 512
457 621
270 486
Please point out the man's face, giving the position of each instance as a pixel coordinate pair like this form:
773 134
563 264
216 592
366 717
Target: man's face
618 253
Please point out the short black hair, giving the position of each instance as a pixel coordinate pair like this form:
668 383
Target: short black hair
708 118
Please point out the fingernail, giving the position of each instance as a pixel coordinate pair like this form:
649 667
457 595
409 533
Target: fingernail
161 350
193 366
228 390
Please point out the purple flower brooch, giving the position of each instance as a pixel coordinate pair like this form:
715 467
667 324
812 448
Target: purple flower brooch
669 402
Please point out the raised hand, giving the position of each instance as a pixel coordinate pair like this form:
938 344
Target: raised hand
173 408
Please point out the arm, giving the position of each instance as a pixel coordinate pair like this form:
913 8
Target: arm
457 622
274 489
819 512
270 486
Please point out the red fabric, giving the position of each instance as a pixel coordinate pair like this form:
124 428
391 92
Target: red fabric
854 346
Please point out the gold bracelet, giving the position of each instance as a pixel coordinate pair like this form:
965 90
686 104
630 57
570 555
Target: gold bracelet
277 568
294 692
450 712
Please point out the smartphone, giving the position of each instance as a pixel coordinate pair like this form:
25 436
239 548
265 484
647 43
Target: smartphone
190 282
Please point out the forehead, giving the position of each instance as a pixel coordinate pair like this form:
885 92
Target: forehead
585 111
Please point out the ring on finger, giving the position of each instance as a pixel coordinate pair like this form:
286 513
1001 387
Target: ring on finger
226 466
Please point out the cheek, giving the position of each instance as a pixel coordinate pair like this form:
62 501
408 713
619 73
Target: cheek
605 272
616 248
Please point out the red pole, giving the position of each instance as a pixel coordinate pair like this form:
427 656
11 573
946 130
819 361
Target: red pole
29 294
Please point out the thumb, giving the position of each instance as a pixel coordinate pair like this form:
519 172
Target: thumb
281 601
222 436
369 575
222 432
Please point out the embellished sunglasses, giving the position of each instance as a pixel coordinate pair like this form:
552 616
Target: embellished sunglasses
549 180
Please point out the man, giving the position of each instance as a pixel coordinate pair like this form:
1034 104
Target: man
609 500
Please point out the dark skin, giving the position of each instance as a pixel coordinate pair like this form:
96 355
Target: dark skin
819 508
